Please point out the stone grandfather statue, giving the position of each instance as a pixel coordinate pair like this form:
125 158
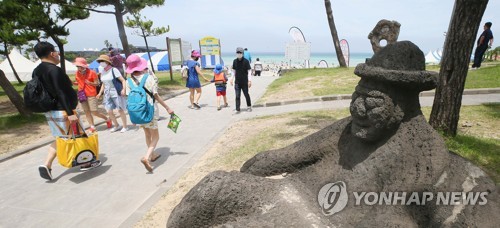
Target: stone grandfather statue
386 145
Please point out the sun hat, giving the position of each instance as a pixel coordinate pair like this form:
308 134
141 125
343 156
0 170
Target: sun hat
103 58
218 69
195 53
135 63
81 62
239 49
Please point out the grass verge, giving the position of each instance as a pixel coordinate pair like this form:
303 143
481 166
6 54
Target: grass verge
16 120
321 82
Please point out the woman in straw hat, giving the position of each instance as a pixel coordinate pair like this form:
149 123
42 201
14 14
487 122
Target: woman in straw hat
87 80
137 68
113 99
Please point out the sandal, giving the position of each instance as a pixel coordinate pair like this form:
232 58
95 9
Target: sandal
146 164
155 157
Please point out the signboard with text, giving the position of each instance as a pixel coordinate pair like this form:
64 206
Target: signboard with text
210 46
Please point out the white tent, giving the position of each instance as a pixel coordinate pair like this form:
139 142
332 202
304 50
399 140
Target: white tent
23 66
433 57
70 68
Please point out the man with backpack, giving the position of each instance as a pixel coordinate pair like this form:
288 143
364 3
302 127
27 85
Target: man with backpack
61 98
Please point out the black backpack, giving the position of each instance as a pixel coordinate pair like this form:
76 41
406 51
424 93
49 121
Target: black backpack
36 98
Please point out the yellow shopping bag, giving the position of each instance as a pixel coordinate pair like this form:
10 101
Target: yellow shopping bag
77 149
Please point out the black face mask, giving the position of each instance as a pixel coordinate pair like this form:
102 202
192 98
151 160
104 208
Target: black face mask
196 59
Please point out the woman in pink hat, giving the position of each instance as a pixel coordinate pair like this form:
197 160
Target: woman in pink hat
87 81
193 82
137 68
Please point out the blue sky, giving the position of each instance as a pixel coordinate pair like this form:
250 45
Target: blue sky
262 25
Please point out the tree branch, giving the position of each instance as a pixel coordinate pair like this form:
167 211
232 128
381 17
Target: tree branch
89 9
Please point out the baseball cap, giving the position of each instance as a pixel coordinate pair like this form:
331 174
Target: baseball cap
239 49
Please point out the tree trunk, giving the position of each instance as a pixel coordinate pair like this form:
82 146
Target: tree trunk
333 31
12 65
458 46
147 49
60 45
121 27
13 95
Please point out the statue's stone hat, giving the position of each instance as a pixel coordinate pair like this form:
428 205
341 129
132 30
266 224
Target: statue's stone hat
400 64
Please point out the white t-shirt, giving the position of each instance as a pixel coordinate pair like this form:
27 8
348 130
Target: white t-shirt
258 68
107 80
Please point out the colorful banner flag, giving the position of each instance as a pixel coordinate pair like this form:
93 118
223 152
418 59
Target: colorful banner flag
344 46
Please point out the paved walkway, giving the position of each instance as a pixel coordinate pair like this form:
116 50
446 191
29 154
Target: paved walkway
120 192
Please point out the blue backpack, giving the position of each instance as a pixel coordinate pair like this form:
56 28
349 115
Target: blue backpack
139 109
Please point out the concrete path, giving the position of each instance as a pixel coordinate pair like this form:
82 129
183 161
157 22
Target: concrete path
120 192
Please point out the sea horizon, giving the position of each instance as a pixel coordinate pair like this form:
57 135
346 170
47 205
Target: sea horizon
278 58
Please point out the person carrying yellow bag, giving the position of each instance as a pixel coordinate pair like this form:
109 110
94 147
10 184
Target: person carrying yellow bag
50 92
78 150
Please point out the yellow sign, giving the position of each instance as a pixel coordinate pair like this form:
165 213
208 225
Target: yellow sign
210 46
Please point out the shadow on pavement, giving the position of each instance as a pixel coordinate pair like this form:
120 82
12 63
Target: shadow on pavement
85 175
165 154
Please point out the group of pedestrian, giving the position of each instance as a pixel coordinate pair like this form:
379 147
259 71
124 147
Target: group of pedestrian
113 89
242 80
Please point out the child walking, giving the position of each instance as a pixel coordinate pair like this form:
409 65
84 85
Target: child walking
137 68
220 80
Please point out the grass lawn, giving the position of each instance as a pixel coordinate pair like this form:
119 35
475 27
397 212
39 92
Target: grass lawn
320 82
15 120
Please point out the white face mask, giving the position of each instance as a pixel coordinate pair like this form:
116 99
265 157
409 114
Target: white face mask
239 55
103 64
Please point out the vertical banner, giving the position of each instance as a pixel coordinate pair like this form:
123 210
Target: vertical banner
344 46
210 52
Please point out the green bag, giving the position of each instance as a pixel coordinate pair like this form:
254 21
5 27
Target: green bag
174 122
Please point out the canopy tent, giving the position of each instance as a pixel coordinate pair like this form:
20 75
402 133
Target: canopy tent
70 67
209 61
159 59
23 66
433 57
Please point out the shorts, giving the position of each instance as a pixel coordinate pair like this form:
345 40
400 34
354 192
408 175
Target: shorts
113 103
151 125
221 93
58 122
90 104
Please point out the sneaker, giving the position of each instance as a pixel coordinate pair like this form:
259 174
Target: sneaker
90 166
113 129
236 111
249 109
108 124
124 130
196 105
45 172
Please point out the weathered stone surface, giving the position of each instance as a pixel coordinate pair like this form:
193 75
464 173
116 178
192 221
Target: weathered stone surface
386 145
384 30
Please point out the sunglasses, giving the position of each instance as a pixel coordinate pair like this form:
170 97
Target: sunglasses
239 52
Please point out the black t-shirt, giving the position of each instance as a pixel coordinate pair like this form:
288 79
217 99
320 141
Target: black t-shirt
488 35
58 85
241 67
